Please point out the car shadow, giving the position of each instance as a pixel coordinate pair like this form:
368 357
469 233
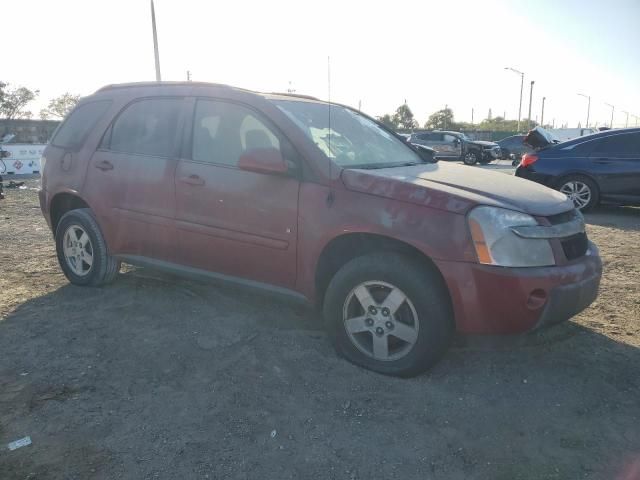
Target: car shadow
624 218
153 374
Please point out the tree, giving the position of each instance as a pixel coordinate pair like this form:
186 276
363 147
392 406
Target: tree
388 121
403 118
14 100
59 107
441 120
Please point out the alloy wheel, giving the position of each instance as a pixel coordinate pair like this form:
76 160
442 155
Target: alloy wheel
78 251
380 320
578 192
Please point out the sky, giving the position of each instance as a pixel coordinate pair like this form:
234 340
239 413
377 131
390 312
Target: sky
380 54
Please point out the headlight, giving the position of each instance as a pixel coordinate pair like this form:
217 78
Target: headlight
497 244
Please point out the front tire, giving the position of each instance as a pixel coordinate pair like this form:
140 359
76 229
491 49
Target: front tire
582 191
82 250
385 313
471 157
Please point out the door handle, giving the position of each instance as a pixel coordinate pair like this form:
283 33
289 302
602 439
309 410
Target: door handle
194 180
104 165
602 161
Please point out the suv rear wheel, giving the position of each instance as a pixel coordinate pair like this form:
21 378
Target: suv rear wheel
82 251
386 314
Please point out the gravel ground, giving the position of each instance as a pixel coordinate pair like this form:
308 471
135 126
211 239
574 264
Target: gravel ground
157 377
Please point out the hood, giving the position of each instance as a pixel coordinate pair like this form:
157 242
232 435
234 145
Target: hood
484 143
457 188
539 138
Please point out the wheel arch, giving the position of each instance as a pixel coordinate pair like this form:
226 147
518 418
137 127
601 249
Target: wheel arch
577 173
348 246
62 203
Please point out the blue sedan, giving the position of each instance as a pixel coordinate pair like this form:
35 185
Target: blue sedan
603 167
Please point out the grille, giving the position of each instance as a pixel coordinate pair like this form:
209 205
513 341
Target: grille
575 246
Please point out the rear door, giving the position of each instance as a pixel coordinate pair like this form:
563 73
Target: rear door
232 221
616 161
130 178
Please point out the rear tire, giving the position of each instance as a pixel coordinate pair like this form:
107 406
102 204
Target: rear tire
582 191
383 303
82 250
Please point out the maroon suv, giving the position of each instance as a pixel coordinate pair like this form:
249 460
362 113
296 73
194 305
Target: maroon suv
317 201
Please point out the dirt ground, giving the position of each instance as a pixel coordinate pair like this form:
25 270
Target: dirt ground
156 377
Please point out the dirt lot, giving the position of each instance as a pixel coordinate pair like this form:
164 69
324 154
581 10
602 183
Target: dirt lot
155 377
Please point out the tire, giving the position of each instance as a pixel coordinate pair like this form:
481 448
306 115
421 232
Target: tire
471 157
424 317
581 190
78 240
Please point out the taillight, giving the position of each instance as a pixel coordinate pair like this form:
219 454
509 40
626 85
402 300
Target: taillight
528 159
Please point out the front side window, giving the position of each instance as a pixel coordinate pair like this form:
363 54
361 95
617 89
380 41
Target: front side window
222 132
77 126
348 138
147 127
449 138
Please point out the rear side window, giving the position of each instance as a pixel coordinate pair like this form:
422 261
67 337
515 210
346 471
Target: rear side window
146 127
73 132
222 132
620 144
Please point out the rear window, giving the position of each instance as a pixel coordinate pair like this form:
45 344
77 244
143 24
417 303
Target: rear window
73 132
147 127
623 144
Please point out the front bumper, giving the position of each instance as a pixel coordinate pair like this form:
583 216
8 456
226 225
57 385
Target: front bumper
500 300
492 153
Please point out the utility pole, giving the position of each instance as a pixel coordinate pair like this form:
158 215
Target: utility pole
471 115
553 123
521 86
188 76
445 114
530 100
155 42
588 97
626 123
612 110
542 115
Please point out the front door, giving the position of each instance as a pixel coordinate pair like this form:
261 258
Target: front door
130 179
231 221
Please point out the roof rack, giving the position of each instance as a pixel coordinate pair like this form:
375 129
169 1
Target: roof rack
185 83
296 95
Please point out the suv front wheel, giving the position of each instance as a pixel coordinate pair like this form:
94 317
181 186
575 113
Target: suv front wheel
82 250
386 314
471 157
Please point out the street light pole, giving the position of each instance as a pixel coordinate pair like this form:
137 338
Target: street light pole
155 42
542 115
530 100
612 110
521 87
626 123
588 97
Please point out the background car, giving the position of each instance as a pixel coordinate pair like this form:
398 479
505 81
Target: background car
457 146
603 167
513 147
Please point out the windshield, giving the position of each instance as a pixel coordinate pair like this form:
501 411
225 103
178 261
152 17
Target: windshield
350 140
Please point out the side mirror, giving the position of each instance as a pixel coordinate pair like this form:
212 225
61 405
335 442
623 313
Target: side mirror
4 153
263 160
456 141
